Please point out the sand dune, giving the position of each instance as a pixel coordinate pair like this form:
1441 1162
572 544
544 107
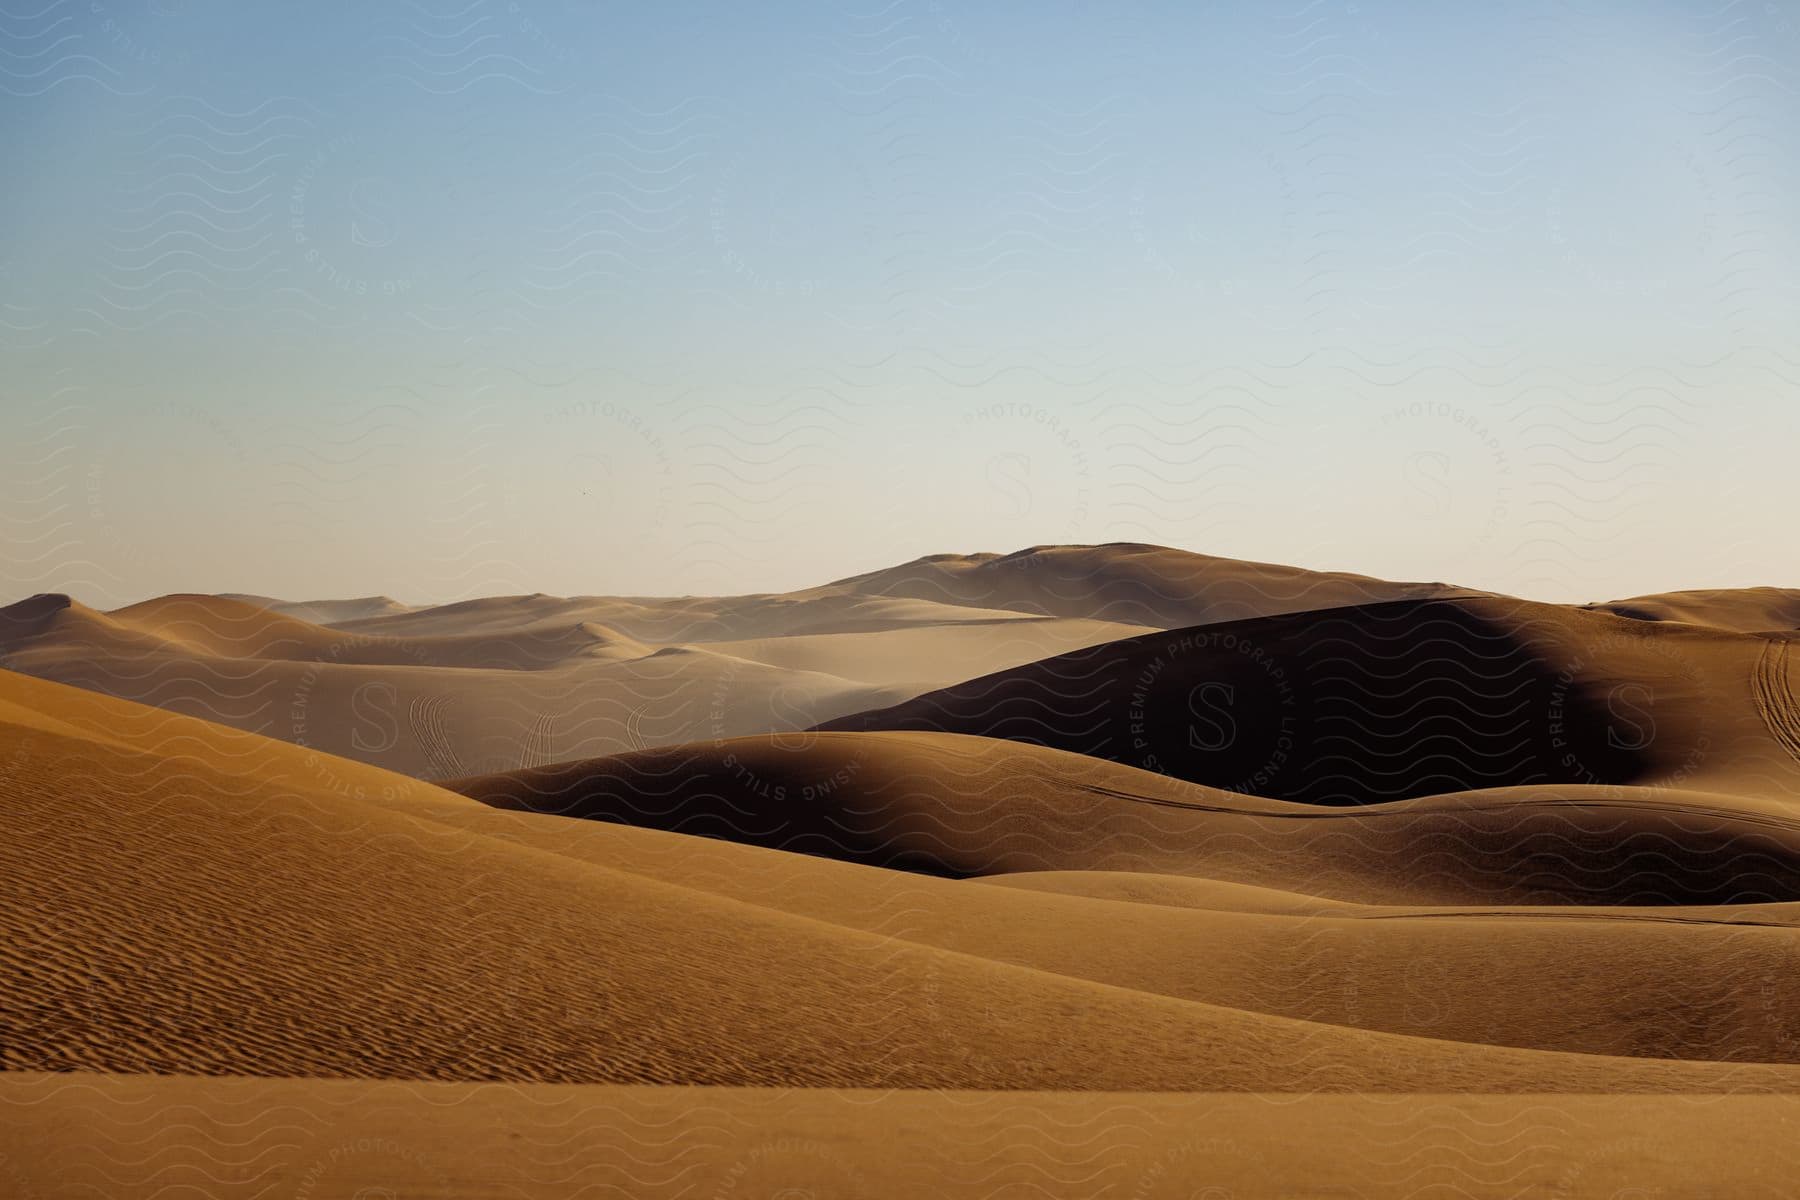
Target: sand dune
689 618
516 680
254 949
325 612
214 625
431 705
1387 701
1473 971
964 806
1741 610
931 828
1120 583
1132 583
437 690
906 658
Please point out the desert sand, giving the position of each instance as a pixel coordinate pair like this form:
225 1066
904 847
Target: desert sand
1241 877
1744 610
329 1138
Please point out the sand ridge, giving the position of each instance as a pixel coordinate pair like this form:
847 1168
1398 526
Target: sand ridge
1740 610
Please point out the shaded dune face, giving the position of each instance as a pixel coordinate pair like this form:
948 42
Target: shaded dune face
1343 706
961 806
858 799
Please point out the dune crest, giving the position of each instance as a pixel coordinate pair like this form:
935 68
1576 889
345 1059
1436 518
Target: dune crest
1740 610
1133 583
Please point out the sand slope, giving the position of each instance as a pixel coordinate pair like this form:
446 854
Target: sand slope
183 898
1130 582
962 806
1387 701
1741 610
1058 901
1468 971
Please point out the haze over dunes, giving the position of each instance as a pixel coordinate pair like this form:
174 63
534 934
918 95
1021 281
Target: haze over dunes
489 684
1230 829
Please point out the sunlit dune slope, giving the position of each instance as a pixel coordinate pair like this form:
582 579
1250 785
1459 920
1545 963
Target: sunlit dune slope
186 898
1742 610
1665 981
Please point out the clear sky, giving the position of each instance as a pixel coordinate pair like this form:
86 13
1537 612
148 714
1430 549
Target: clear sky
444 298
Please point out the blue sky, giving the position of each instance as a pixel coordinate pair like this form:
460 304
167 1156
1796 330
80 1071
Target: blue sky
444 299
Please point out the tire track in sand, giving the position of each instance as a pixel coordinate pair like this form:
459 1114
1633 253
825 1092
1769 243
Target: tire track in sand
1773 689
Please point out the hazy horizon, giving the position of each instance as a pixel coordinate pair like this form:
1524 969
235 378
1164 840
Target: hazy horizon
452 300
424 601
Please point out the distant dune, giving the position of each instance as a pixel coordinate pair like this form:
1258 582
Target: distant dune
1131 583
510 681
326 612
433 705
1742 610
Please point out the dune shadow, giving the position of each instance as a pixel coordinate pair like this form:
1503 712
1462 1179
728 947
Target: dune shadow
1342 706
